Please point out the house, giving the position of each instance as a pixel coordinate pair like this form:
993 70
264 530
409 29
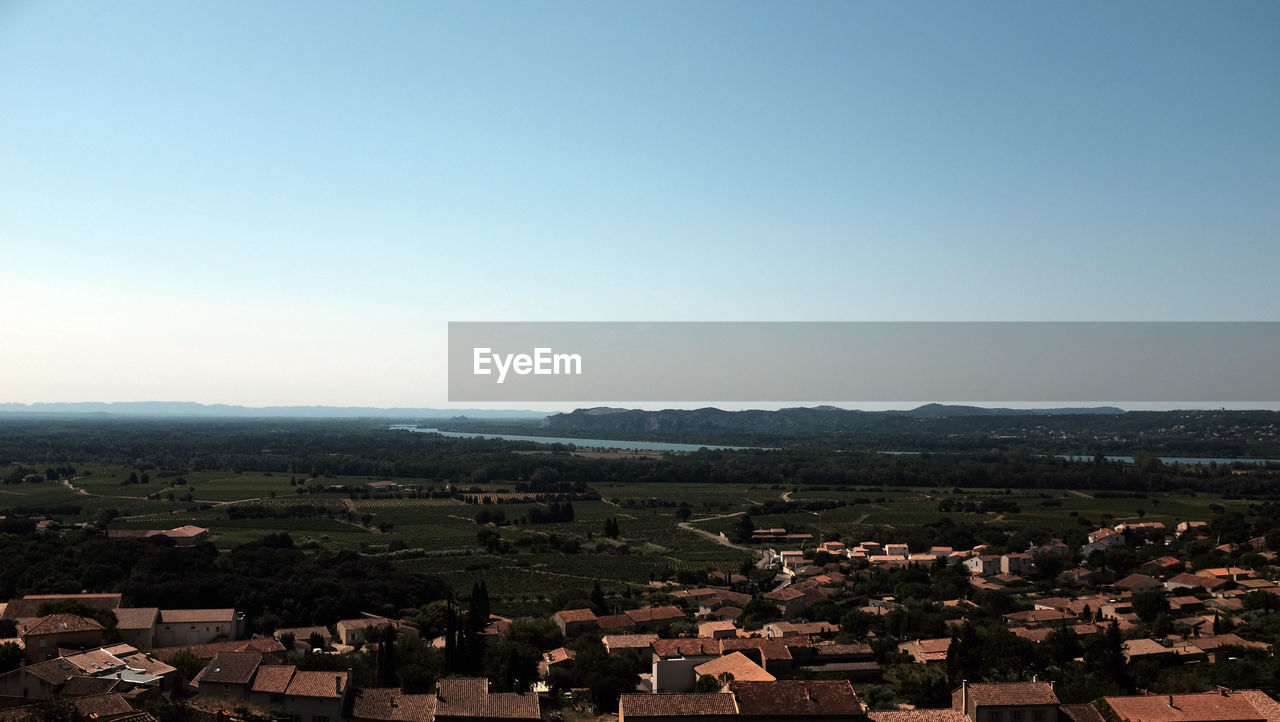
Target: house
927 650
379 488
650 619
42 637
1018 563
1040 618
271 649
137 625
351 632
306 637
1135 649
1007 702
228 677
618 642
183 536
797 699
558 658
1186 580
1135 583
984 565
575 622
719 629
469 700
708 707
1193 528
736 665
392 705
316 696
187 627
39 680
789 601
270 684
1204 706
30 605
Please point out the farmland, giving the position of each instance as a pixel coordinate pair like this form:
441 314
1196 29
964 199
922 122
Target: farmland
531 563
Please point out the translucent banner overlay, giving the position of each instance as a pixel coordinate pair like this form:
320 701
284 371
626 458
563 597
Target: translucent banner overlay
868 362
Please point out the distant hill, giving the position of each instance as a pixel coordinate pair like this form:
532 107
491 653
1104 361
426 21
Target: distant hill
802 420
937 411
194 410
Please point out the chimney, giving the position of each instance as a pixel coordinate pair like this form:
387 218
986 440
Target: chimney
964 697
1171 704
337 684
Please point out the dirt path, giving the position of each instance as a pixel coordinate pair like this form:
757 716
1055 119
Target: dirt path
1079 493
689 526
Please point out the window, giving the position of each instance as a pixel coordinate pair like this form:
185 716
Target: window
994 716
319 718
1017 715
1037 715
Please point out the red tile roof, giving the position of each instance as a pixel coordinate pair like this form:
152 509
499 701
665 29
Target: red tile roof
737 666
101 706
192 616
471 698
654 614
62 624
273 678
136 617
677 705
209 651
1011 694
1204 707
796 698
576 615
230 668
918 715
392 705
330 685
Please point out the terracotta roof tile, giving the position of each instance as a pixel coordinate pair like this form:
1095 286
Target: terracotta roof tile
61 624
737 666
136 617
654 614
331 685
796 698
230 668
677 705
918 715
471 698
576 615
392 705
1203 707
273 678
100 706
193 616
1012 693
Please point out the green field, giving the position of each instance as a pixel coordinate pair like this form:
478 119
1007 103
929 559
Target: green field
439 535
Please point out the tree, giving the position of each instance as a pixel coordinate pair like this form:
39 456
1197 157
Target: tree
707 683
11 657
597 597
187 664
1150 604
743 529
1061 647
964 655
512 666
611 528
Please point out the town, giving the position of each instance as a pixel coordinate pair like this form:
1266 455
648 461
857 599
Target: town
142 591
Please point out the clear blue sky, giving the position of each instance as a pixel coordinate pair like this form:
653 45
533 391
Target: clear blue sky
285 202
